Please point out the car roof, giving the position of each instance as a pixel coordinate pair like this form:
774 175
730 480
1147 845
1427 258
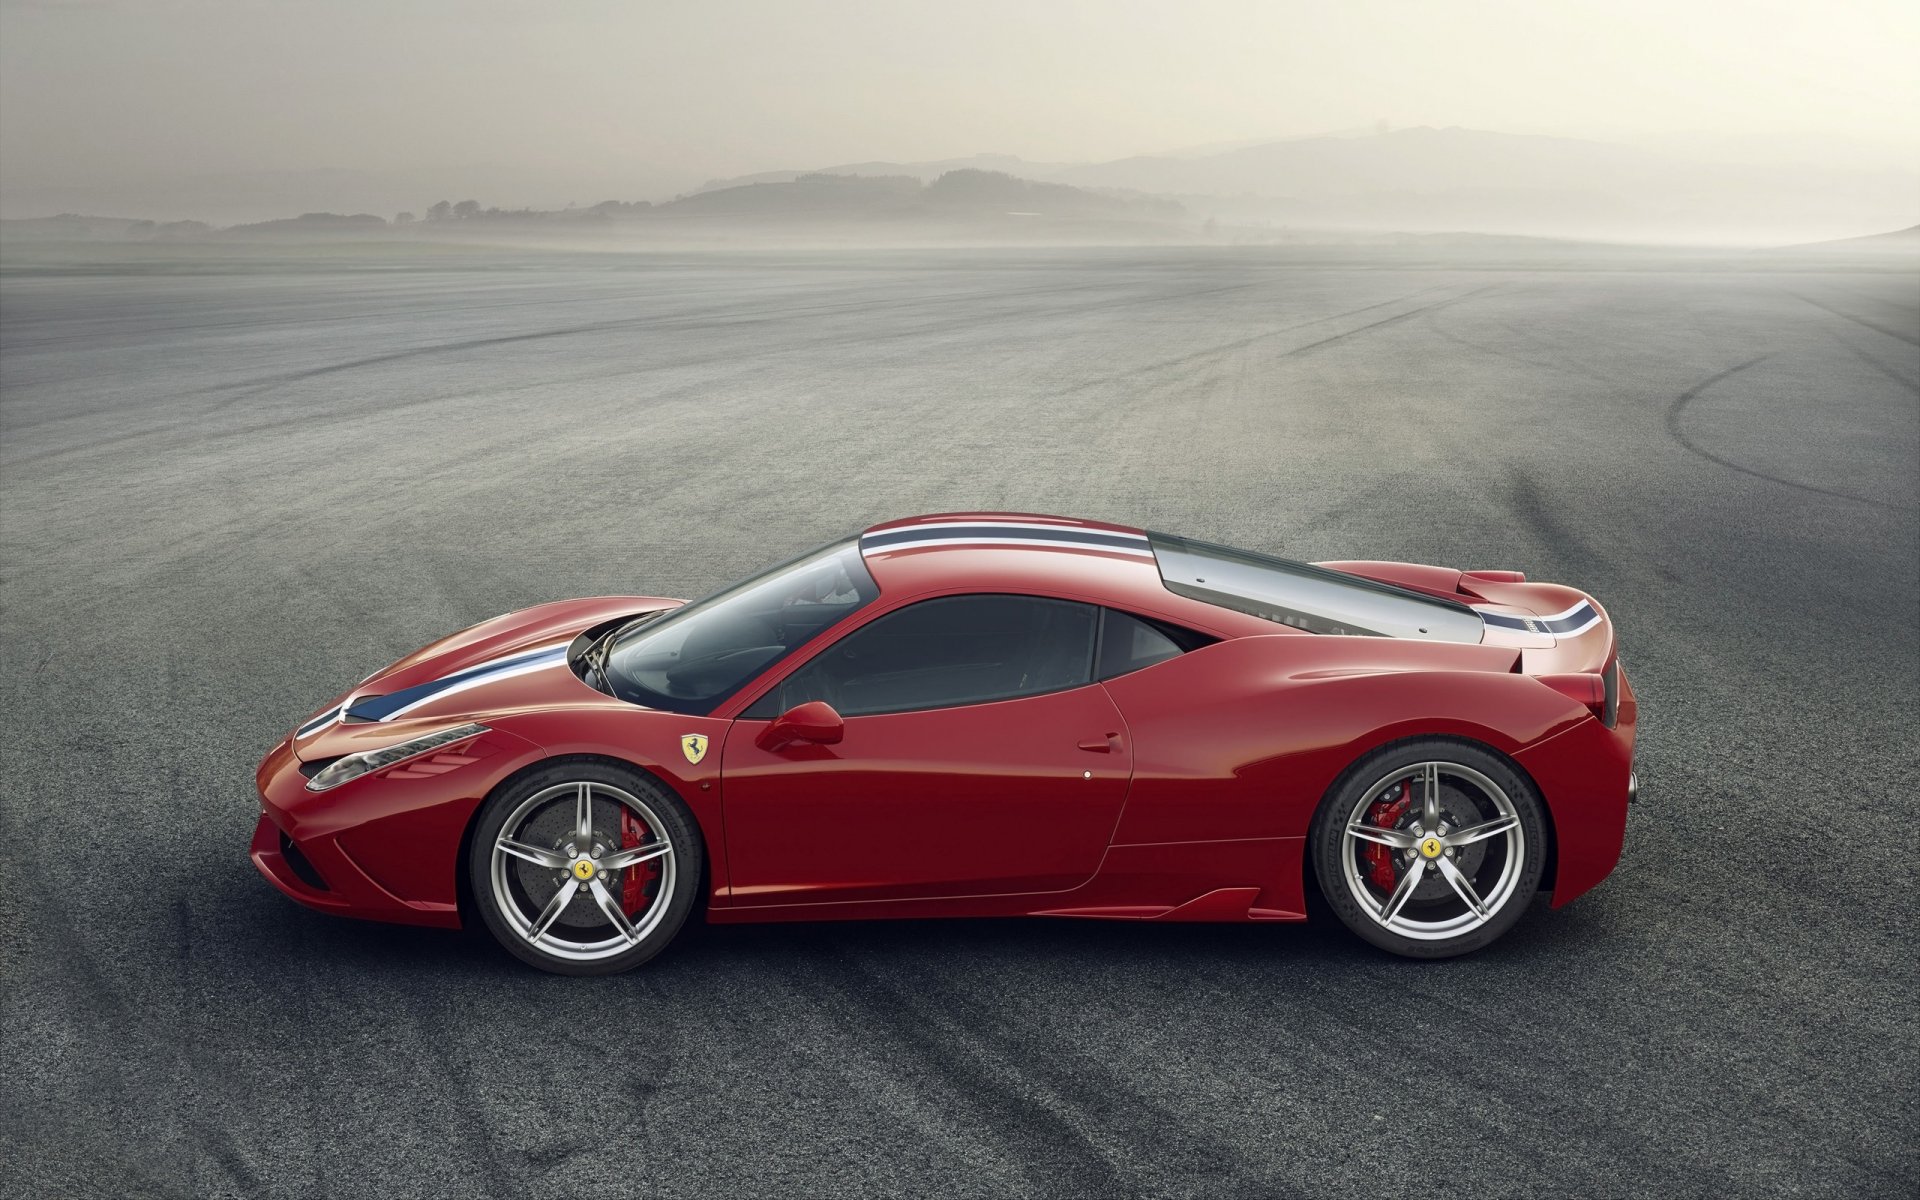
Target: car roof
1029 530
1096 561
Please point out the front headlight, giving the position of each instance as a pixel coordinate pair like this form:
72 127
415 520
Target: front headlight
353 766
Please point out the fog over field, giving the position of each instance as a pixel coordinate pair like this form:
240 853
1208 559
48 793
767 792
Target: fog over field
230 486
1622 120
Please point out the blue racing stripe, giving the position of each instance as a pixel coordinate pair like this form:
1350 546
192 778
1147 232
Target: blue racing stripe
1572 622
317 722
1584 615
379 708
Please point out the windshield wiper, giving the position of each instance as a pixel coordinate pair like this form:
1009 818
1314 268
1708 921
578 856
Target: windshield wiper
596 655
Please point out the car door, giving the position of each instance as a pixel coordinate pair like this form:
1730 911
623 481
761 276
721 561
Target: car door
978 757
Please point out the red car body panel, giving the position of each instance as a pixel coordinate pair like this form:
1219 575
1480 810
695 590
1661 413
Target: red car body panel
1183 791
811 824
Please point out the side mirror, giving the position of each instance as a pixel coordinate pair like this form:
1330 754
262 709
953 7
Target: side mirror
814 722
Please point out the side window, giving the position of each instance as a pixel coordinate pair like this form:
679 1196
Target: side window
947 652
1128 644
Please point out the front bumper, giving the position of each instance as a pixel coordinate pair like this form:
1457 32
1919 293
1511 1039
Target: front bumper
275 854
384 847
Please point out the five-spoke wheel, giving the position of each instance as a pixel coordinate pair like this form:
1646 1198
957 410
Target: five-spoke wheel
1431 848
585 867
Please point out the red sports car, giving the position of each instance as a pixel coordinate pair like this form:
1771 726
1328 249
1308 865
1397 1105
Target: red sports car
977 714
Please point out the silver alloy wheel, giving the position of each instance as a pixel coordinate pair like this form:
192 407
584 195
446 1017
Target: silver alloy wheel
1461 829
558 861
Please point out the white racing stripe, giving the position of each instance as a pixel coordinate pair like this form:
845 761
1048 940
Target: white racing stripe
556 657
983 540
988 532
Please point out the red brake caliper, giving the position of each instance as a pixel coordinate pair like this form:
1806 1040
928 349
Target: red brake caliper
633 889
1386 814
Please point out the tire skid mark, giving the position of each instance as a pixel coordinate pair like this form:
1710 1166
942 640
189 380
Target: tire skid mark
1879 366
461 1088
199 438
220 1148
390 312
186 429
254 387
1565 366
266 381
1022 315
1225 348
673 318
1525 503
1887 302
627 1105
1677 431
1058 1153
676 321
1908 338
1337 338
185 426
1030 1133
91 1002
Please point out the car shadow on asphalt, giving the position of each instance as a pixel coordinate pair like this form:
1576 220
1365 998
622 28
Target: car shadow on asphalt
1049 944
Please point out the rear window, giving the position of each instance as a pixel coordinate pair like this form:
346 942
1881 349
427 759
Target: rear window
1305 596
1129 644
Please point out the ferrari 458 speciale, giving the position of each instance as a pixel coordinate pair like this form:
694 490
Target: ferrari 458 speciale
977 714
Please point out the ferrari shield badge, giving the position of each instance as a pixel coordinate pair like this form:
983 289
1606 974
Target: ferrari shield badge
694 746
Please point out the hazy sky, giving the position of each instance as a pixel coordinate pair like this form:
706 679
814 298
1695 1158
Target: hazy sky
114 91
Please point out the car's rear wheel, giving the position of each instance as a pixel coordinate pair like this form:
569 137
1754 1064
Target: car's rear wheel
1431 848
585 867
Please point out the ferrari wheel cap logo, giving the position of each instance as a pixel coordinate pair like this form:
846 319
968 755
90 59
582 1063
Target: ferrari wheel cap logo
1430 847
583 870
694 746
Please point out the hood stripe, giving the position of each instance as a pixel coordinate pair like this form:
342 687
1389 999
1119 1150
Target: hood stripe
386 708
318 721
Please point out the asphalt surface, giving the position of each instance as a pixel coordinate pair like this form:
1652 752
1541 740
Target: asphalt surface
228 490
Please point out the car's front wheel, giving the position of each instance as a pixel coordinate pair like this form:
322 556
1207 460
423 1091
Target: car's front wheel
1430 848
585 867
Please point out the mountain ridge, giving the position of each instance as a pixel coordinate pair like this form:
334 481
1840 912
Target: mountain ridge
1416 179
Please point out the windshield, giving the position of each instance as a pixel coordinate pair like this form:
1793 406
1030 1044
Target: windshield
695 657
1308 597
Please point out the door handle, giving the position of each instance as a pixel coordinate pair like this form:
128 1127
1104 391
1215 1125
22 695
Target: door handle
1102 745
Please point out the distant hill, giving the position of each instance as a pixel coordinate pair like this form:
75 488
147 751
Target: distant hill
817 195
964 205
998 192
1909 236
72 227
1432 179
230 198
1898 241
967 194
1423 159
1415 181
314 222
925 172
1425 179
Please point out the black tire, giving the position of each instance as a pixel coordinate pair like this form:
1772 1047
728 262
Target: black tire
1513 859
615 794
